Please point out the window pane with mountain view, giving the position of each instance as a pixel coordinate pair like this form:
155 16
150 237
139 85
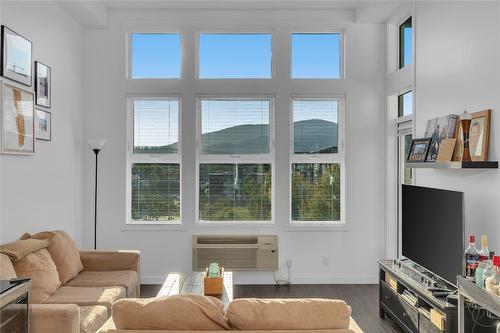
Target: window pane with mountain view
155 192
315 126
316 192
156 126
235 126
235 192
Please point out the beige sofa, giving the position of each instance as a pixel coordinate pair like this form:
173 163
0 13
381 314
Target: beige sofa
72 290
200 314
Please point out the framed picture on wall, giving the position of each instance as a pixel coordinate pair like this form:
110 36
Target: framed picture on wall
43 125
17 125
16 57
43 87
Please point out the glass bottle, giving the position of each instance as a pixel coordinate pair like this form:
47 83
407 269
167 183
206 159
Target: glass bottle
471 258
484 254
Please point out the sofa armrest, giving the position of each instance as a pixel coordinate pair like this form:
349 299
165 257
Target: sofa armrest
56 318
111 260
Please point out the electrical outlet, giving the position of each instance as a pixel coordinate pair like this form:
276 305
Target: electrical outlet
324 261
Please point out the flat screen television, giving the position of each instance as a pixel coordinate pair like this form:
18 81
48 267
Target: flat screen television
432 230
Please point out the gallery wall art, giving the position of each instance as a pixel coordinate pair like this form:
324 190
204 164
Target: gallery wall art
42 84
16 57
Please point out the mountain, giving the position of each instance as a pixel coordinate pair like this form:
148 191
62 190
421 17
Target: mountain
313 135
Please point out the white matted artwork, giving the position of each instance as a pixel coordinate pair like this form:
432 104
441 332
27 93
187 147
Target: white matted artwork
43 125
18 125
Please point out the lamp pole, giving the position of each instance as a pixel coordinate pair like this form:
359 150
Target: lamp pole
96 145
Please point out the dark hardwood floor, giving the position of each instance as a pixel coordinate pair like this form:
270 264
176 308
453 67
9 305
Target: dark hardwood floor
362 298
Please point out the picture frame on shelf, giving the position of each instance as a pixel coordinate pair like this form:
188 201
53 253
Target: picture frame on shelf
479 135
18 120
16 57
43 85
419 149
439 129
43 125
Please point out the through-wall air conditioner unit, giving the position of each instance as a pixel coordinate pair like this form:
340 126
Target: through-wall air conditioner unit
235 253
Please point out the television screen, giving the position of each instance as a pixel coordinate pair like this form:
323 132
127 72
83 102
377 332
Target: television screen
432 230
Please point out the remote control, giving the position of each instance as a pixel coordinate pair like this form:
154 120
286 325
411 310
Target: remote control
19 280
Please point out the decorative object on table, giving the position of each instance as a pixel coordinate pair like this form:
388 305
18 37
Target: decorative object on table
465 119
439 129
446 149
43 125
418 150
16 57
43 86
213 285
213 270
96 145
479 135
17 120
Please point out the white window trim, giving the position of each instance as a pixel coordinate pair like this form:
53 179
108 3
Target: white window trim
150 158
235 32
338 158
318 32
235 159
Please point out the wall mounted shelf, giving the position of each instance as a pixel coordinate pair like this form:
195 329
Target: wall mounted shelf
453 165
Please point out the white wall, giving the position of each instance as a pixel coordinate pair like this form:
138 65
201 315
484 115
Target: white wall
44 191
457 69
351 254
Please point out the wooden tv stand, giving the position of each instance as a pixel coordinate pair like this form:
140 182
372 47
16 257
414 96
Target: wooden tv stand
413 314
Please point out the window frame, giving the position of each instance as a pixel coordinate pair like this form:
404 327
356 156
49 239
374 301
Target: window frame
155 158
401 39
129 52
332 158
318 32
400 97
235 159
234 32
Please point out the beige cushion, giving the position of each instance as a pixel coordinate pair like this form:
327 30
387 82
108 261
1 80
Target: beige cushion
92 318
288 314
180 312
127 279
64 252
43 273
19 249
7 271
85 296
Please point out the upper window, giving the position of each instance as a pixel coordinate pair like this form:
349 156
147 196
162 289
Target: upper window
405 104
235 126
405 43
155 55
316 56
235 56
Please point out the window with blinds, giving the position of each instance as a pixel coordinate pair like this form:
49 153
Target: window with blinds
235 159
235 126
317 160
154 161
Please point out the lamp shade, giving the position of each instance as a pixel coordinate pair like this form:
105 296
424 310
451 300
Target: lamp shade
96 143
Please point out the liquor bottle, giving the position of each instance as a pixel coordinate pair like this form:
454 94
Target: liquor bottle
484 254
490 268
471 258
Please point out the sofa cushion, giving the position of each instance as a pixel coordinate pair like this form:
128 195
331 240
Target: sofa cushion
127 279
64 252
43 273
288 314
86 296
19 249
7 271
92 318
179 312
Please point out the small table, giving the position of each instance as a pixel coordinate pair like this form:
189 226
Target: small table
192 283
14 306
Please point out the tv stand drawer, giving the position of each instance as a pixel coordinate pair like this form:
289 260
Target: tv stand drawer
388 297
408 314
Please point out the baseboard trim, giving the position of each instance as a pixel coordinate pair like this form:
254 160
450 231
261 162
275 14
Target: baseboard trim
352 279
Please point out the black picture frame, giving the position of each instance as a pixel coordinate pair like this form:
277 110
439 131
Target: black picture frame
47 134
26 80
42 98
420 155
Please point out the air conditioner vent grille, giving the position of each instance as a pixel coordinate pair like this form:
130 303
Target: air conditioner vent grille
227 240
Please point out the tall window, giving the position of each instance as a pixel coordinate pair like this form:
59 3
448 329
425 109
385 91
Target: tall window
405 43
154 160
317 161
405 104
235 56
235 159
155 56
316 56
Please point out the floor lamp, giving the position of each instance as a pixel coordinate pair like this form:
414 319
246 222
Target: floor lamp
96 145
